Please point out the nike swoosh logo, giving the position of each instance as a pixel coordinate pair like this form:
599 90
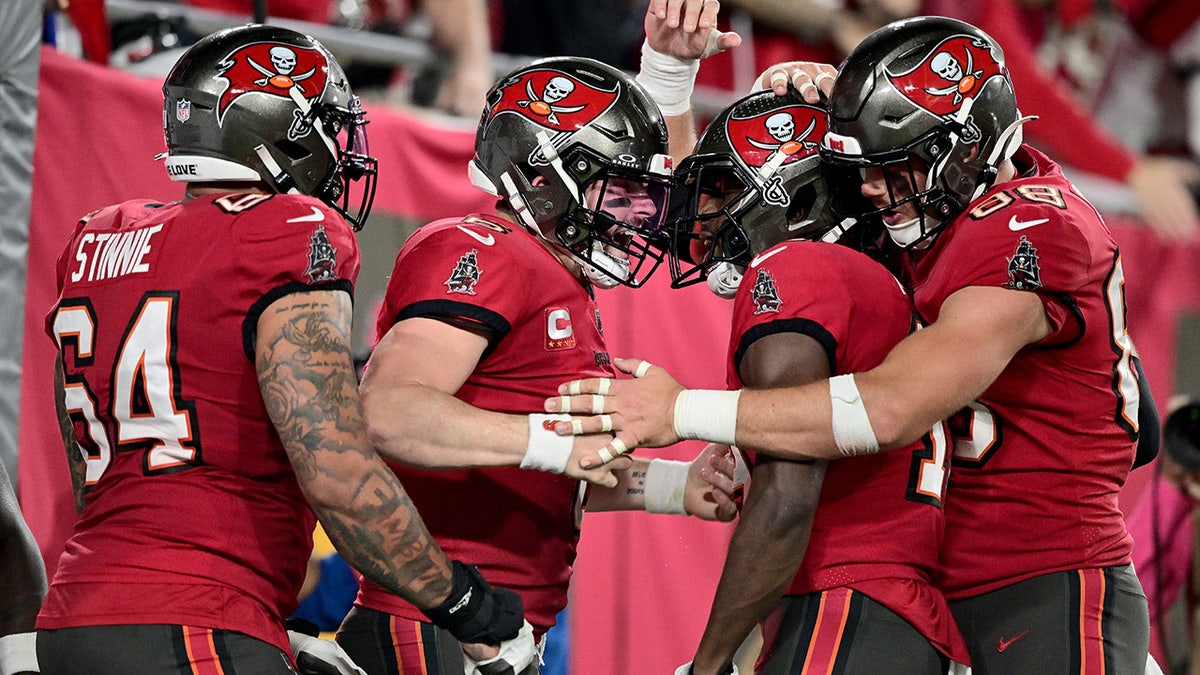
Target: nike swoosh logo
485 239
762 257
1016 225
1003 644
315 217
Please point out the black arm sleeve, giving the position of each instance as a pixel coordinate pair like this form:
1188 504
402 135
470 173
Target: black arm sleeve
1149 425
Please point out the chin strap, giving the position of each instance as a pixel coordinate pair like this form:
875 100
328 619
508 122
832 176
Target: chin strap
604 270
724 278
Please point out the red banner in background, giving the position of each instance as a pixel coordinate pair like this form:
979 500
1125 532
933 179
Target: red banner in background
644 583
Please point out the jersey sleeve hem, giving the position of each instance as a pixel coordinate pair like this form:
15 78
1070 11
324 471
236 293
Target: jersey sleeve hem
807 327
250 323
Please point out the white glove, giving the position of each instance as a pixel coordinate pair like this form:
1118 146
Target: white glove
515 656
686 669
321 656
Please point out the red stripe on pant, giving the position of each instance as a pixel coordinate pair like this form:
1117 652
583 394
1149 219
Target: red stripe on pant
827 634
409 648
201 652
1092 586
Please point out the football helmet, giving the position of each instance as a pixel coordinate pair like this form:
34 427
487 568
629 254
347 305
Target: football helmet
927 94
578 151
754 180
268 104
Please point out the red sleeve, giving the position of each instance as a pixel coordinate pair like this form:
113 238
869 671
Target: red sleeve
290 244
1050 258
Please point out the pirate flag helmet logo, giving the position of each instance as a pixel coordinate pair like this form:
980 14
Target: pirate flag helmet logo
273 69
955 70
765 141
552 98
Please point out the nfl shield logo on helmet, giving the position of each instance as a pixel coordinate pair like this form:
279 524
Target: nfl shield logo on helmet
183 110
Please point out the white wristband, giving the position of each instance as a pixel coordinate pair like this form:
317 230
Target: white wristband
707 415
546 450
666 486
851 427
668 80
18 653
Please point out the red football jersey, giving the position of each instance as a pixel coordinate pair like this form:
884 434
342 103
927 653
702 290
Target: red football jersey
1041 456
518 526
193 512
878 525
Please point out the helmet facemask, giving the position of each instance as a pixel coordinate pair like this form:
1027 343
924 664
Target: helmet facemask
350 189
615 228
915 174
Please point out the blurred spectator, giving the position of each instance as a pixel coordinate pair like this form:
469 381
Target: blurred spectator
78 26
606 30
460 29
827 29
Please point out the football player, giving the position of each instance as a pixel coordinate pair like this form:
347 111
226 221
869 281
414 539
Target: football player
863 533
207 394
1025 350
485 314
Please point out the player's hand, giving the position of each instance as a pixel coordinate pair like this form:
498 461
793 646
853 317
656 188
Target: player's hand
641 410
814 81
713 484
315 656
687 29
601 475
1160 185
511 658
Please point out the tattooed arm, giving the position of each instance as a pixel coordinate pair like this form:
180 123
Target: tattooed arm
308 383
76 460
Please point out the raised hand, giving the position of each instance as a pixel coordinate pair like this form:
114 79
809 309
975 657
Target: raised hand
687 29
